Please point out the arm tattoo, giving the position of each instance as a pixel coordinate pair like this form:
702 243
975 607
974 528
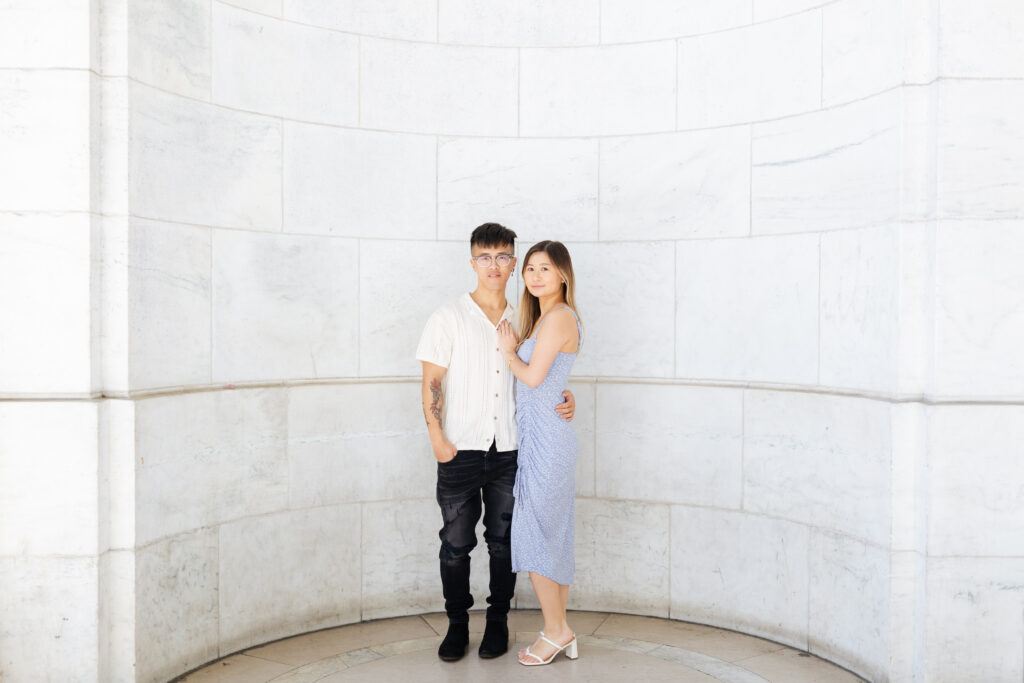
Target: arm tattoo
435 404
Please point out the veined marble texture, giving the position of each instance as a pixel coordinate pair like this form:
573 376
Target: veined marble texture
624 333
206 458
973 622
757 72
45 34
1000 54
622 558
449 90
171 297
169 45
358 183
44 277
194 162
747 309
627 21
608 90
585 424
48 478
284 306
263 64
44 135
401 284
975 496
979 321
306 556
740 569
821 460
849 611
270 7
49 606
176 605
678 185
670 444
766 10
980 149
357 442
519 24
862 48
838 168
538 188
384 18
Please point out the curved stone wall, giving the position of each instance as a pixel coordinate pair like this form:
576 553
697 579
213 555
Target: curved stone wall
767 211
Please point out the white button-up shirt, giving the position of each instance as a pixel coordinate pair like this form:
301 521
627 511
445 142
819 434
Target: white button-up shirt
479 399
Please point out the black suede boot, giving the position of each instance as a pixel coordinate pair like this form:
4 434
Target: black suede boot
495 640
453 647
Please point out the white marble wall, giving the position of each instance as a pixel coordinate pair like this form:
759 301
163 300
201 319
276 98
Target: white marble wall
797 230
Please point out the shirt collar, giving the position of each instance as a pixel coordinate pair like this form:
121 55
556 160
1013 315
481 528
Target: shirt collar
469 304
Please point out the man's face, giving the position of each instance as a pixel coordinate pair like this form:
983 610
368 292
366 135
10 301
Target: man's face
490 273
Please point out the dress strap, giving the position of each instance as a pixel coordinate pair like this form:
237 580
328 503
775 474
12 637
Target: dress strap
579 327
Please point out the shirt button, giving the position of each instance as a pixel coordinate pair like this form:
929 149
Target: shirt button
495 396
495 417
497 372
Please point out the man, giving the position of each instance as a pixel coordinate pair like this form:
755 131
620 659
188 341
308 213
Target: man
469 404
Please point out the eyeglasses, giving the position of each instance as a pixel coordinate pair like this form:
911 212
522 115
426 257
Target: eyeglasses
484 260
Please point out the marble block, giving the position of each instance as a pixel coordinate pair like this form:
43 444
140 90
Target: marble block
740 571
622 557
979 321
975 498
821 460
753 73
49 607
44 135
287 573
674 444
916 316
747 309
116 475
399 559
402 283
116 627
981 39
849 603
282 68
45 346
268 7
205 458
169 45
585 423
538 188
170 302
357 442
973 621
194 162
284 306
859 308
450 90
48 478
862 49
359 183
679 185
624 334
833 169
41 34
766 10
387 18
176 612
980 149
909 424
519 24
629 21
612 90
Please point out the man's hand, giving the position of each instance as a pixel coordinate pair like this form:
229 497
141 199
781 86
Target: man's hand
567 409
444 450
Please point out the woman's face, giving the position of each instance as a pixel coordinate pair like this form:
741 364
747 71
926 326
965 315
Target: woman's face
541 277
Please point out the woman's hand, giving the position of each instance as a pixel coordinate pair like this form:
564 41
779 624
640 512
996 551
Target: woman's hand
507 339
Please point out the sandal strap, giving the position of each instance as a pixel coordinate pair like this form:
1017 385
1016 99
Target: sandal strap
551 642
530 654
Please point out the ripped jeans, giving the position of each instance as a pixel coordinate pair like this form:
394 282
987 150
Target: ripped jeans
461 484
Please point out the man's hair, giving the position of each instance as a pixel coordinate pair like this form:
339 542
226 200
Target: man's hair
490 235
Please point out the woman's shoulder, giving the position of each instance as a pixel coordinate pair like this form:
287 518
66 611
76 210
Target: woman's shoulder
562 318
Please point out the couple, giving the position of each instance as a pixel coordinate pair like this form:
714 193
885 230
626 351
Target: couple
470 368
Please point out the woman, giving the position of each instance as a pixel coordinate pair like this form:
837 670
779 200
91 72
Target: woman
542 521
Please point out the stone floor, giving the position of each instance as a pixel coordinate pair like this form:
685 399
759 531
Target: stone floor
612 647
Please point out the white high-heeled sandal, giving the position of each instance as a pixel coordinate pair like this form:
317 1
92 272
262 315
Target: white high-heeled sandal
570 648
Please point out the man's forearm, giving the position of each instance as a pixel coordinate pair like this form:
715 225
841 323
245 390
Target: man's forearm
433 400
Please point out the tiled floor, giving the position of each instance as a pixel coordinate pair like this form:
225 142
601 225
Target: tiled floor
613 648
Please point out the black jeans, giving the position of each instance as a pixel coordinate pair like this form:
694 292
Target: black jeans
461 483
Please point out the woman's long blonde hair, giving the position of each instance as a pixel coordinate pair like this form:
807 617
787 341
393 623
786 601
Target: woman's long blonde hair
529 305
